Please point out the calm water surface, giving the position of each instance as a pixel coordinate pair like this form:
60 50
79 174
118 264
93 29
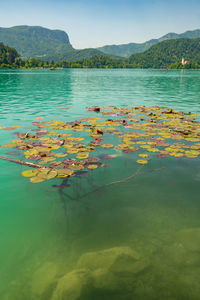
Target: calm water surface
150 222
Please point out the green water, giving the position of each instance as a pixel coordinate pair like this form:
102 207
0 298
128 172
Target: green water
44 233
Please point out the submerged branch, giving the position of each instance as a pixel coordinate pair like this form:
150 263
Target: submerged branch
126 179
21 162
121 181
114 182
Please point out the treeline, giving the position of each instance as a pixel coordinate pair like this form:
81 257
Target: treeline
167 54
190 65
9 57
95 62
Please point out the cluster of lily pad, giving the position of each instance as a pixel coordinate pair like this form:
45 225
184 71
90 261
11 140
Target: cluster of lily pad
160 130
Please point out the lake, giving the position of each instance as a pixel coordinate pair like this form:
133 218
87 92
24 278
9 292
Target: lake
137 239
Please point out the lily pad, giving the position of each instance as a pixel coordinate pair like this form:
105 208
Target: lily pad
76 167
82 155
143 155
29 173
142 161
62 173
60 154
92 166
107 146
47 173
36 179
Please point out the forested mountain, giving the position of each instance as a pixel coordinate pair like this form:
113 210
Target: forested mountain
73 55
32 41
8 57
54 45
43 44
167 52
126 50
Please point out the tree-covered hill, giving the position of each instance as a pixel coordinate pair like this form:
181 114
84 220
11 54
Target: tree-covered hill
73 55
32 41
98 62
166 53
126 50
9 57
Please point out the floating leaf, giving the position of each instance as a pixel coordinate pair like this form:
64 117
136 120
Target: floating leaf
72 151
142 161
8 145
46 173
51 174
47 159
62 173
91 160
60 154
161 155
82 155
29 173
107 146
175 154
54 147
76 167
55 163
143 155
93 166
36 179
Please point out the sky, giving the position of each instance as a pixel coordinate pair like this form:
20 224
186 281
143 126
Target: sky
92 23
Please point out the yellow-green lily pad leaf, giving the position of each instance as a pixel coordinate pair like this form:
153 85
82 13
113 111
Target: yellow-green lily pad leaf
49 174
142 161
36 179
60 154
107 146
143 155
62 173
82 155
29 173
93 166
76 167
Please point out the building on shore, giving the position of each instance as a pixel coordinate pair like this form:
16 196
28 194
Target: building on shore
184 62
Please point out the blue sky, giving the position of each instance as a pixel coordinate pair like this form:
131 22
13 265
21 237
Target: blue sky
92 23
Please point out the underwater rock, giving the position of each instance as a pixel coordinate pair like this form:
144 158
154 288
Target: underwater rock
190 238
106 258
72 285
113 268
108 271
44 279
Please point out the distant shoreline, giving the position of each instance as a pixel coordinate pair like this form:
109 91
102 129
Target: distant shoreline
91 68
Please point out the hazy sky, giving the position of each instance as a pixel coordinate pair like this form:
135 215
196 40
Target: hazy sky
92 23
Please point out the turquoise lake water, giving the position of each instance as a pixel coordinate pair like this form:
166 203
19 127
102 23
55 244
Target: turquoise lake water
150 222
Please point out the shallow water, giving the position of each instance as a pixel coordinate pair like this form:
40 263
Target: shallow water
44 233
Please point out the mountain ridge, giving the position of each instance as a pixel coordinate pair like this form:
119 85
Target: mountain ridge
126 50
54 45
32 41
